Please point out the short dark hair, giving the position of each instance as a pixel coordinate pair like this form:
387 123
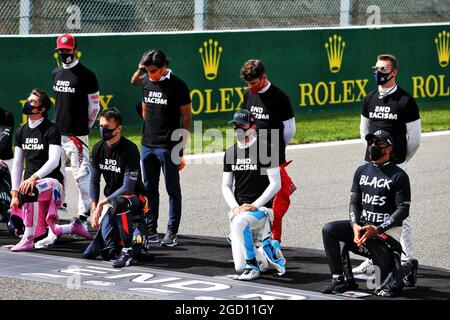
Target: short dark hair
252 69
155 58
112 113
44 99
389 57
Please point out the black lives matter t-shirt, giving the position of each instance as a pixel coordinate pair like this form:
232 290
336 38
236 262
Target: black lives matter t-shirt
270 109
249 168
114 161
382 189
391 113
35 145
163 100
71 87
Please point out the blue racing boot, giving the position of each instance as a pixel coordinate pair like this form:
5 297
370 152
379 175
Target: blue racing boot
272 251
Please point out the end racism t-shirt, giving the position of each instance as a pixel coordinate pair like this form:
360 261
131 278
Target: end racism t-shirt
71 88
163 100
270 109
113 162
391 113
35 145
249 167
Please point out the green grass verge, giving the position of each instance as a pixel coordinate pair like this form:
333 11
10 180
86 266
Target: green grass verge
317 127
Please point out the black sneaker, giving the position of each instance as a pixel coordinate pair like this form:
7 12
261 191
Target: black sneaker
152 236
340 284
125 259
170 239
411 279
386 292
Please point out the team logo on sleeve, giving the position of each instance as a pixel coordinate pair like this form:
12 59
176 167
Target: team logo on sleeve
134 175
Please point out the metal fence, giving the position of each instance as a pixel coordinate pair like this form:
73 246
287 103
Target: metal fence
89 16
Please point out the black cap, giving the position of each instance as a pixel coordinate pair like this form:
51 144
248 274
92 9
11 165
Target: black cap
242 118
381 135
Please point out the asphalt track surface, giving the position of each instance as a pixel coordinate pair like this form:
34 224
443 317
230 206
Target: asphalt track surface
323 173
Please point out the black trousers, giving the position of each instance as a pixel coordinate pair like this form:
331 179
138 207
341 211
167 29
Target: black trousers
338 242
122 226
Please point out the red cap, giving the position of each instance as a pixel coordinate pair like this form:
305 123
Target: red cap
65 41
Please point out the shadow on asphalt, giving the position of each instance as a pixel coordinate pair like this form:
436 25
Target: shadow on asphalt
307 269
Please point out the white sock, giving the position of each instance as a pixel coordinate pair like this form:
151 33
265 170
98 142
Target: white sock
51 234
29 231
126 250
66 228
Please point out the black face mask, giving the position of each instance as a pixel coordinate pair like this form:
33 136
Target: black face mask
28 108
376 152
241 133
66 58
382 78
107 133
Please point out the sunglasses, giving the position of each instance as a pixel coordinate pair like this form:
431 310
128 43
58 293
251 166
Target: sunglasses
382 69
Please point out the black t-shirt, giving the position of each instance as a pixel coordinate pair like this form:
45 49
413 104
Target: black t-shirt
6 131
114 161
382 188
163 100
35 145
391 113
270 109
249 168
71 87
5 191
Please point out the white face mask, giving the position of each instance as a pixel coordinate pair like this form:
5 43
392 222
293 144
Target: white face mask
242 133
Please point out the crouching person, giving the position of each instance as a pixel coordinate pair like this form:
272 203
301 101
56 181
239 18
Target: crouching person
255 184
122 229
5 191
380 200
38 146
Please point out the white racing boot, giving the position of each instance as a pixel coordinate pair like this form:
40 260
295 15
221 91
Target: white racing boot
251 272
366 267
47 241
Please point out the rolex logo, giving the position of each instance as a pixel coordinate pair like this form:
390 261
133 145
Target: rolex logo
335 50
443 48
210 54
58 62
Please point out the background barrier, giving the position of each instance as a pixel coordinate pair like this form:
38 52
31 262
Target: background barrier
322 70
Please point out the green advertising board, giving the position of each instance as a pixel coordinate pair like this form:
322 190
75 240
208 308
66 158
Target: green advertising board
320 69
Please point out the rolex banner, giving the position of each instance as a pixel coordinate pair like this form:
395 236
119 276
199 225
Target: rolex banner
324 70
